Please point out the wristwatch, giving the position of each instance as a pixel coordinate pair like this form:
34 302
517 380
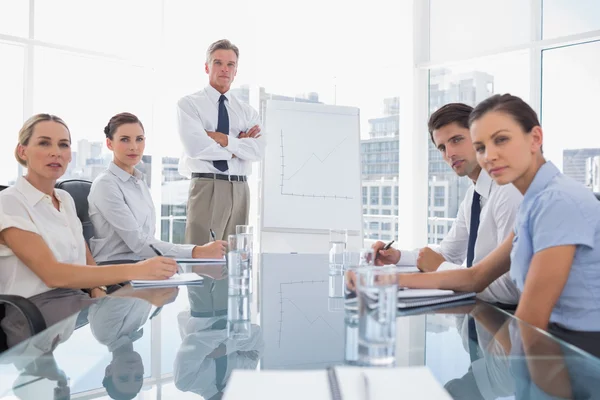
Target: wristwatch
103 288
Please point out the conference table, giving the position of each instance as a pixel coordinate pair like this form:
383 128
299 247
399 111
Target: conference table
174 343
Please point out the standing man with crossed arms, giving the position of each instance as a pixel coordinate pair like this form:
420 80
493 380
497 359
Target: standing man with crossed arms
221 138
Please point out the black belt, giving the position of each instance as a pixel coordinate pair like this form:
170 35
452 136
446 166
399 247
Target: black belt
221 177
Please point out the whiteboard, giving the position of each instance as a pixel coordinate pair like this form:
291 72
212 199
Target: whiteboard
311 171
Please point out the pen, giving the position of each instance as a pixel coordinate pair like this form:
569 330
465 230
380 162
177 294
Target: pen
212 235
387 246
158 253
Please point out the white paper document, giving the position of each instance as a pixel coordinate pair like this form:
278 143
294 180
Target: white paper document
189 278
200 260
380 384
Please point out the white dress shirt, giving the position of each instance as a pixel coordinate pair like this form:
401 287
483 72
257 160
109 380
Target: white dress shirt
194 370
122 212
198 113
23 206
499 205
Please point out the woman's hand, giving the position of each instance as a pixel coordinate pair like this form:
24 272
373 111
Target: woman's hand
155 268
214 249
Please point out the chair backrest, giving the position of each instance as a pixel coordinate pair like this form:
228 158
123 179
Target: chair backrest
79 189
2 187
597 195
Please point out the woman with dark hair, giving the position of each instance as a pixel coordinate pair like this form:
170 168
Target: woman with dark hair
120 205
553 253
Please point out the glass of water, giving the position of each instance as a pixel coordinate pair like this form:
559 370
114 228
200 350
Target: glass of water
238 316
238 271
245 245
337 247
377 299
366 257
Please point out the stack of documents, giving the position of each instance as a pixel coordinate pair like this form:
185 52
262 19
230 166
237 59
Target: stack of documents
341 383
410 298
189 278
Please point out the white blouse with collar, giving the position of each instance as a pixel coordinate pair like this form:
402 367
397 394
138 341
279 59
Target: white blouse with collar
23 206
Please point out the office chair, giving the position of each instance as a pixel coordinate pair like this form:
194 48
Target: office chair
79 189
597 194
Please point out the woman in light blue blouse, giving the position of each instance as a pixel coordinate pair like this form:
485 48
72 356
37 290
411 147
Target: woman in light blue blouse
121 208
554 252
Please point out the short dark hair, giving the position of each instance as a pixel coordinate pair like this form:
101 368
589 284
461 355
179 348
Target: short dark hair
222 44
112 391
457 113
508 104
118 120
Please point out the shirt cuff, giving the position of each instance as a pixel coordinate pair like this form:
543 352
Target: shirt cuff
183 250
233 144
408 257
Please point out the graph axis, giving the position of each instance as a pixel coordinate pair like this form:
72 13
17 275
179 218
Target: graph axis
320 196
282 298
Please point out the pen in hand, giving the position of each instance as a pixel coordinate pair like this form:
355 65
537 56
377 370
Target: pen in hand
387 246
212 235
155 250
158 253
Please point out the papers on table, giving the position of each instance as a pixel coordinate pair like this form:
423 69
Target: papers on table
408 298
354 384
189 278
202 261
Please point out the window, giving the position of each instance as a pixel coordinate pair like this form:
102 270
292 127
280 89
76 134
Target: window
374 195
125 28
568 141
468 82
386 212
374 226
461 27
115 87
14 18
374 211
11 104
564 17
365 190
386 226
386 198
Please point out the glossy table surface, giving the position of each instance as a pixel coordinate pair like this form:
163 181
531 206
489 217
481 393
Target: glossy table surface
174 343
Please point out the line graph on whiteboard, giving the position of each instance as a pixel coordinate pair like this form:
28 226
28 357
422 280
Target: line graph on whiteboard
288 173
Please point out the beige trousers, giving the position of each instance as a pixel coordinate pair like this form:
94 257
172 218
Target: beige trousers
217 205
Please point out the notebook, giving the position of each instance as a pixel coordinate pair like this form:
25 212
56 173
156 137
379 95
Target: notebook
430 309
424 297
189 278
339 383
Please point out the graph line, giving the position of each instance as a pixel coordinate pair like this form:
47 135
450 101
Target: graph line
313 155
290 301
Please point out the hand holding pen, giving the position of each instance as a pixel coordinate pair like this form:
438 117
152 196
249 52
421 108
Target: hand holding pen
385 254
158 253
